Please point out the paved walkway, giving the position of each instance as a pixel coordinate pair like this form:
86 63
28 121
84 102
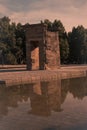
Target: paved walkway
19 75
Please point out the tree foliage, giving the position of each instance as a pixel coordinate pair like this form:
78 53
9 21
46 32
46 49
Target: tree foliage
12 42
73 46
78 45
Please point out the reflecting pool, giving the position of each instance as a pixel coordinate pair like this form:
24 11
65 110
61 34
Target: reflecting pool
53 105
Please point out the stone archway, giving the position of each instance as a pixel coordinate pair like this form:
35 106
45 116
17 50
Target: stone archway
42 48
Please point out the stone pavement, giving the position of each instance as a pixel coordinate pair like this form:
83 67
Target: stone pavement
16 76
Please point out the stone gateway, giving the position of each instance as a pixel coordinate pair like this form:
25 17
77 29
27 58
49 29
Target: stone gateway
42 48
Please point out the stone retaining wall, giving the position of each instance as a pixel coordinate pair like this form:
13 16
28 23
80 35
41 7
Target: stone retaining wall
25 77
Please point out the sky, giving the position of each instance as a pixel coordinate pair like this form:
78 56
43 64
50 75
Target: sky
70 12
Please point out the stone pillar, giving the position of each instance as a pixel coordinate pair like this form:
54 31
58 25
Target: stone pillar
52 50
41 55
28 55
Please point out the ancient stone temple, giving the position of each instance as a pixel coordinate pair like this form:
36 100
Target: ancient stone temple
42 48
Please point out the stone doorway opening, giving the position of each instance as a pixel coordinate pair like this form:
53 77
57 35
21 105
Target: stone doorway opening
34 55
42 48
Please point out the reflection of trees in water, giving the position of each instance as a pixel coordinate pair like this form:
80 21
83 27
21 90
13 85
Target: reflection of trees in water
76 86
10 96
64 89
45 97
3 103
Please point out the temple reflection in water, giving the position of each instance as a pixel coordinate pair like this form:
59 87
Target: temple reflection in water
43 97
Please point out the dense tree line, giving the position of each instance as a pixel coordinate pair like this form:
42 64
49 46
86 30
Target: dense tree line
73 46
78 45
12 42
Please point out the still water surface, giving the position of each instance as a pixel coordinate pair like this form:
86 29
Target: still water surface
54 105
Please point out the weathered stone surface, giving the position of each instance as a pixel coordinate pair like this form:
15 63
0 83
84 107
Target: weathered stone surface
52 50
42 48
12 78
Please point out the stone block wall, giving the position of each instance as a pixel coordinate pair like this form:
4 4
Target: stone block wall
52 50
42 48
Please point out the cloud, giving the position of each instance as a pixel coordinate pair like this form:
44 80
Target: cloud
70 12
20 5
28 5
4 11
79 3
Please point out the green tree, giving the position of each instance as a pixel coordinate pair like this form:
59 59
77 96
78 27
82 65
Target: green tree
63 40
78 45
7 38
49 24
20 44
12 42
